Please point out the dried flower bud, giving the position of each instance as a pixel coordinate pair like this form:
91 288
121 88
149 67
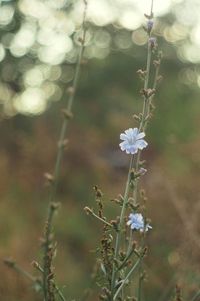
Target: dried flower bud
55 205
98 192
115 224
131 200
67 114
9 262
147 92
135 207
149 17
103 297
81 40
49 176
137 118
88 210
35 264
159 78
141 73
118 202
156 63
71 90
152 42
63 143
144 251
142 171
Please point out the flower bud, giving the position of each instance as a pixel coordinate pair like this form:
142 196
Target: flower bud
152 42
149 25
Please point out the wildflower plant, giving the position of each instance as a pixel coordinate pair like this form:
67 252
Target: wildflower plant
121 256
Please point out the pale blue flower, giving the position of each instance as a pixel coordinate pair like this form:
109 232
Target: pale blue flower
136 222
132 141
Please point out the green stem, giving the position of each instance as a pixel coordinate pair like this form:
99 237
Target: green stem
53 189
141 127
140 270
126 278
39 268
139 283
143 123
118 237
125 260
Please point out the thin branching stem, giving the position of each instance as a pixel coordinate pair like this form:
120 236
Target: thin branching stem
126 278
101 219
145 115
134 162
53 190
57 289
118 237
126 260
12 264
20 270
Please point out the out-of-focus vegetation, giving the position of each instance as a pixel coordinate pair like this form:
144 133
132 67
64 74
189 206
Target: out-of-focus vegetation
38 51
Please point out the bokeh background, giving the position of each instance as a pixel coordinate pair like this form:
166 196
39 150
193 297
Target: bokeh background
39 42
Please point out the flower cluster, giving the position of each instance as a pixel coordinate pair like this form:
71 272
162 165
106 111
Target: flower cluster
132 141
136 222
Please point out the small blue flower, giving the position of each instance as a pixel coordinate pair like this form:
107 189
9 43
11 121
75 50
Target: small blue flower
132 141
136 221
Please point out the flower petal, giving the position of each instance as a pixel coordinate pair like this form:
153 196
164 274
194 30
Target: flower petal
123 145
135 131
123 137
132 149
140 144
140 135
129 133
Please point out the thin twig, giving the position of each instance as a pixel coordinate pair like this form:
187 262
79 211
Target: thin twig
40 269
12 264
53 190
101 219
